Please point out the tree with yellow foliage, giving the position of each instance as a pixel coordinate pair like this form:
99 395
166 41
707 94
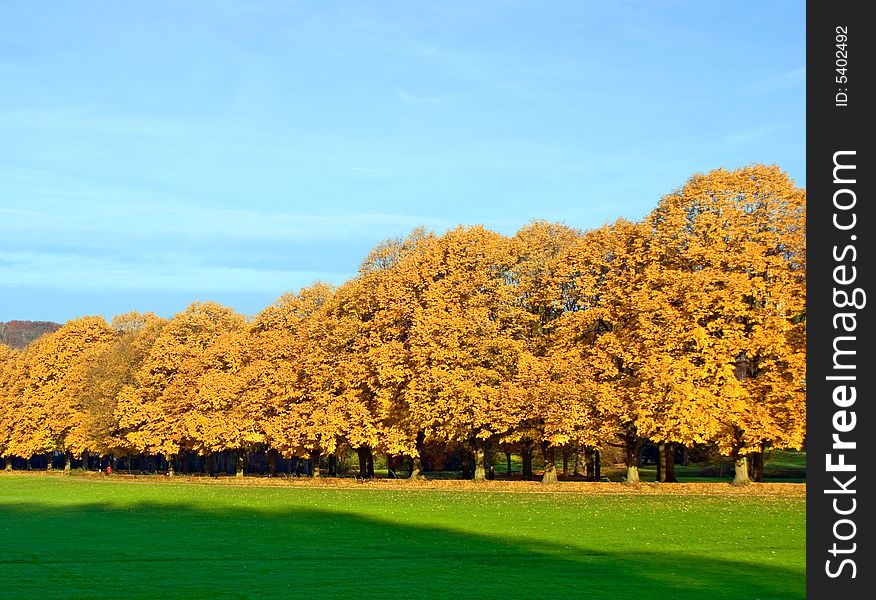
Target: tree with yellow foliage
105 372
154 412
386 295
596 336
347 376
539 403
466 337
739 238
53 379
286 377
11 397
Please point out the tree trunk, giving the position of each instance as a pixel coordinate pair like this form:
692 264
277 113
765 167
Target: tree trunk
241 461
740 476
480 473
416 468
390 467
366 461
508 464
465 463
632 461
68 460
314 464
50 462
597 465
332 465
526 455
363 462
272 463
576 469
669 458
565 462
170 460
8 465
417 461
550 467
757 466
661 462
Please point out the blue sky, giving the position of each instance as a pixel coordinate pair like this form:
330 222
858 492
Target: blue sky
159 153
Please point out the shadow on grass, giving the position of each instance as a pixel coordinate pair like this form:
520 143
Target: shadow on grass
151 550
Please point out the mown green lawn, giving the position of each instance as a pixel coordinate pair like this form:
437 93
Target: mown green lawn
70 537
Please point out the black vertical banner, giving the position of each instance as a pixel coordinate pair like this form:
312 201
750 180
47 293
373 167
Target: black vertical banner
841 224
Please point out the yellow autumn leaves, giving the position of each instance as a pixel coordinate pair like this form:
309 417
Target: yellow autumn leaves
687 327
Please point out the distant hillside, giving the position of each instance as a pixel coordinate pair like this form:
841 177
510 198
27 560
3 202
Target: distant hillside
19 334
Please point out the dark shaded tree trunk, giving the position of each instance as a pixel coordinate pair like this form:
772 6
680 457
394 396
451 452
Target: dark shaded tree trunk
757 464
508 464
597 465
68 460
417 461
465 459
332 465
170 460
50 466
366 461
86 459
669 461
8 463
526 455
314 464
550 467
740 476
480 473
363 462
272 463
565 462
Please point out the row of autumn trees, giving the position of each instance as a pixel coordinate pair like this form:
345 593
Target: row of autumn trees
685 328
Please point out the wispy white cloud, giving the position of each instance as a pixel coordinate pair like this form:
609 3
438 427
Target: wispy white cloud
194 222
177 272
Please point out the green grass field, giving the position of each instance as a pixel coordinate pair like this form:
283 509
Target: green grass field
80 537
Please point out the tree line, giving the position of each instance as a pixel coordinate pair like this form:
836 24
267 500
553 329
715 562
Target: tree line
687 327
